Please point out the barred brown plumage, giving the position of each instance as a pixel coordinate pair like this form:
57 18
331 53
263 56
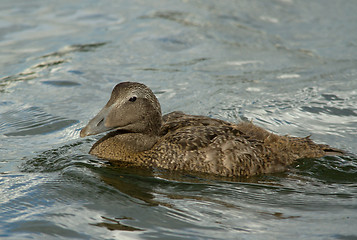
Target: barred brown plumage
178 141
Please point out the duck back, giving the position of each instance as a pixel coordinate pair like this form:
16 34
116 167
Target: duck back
202 144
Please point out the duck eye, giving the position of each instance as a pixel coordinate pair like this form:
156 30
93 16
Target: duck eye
132 99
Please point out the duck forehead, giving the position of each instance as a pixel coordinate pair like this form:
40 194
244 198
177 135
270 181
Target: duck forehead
125 90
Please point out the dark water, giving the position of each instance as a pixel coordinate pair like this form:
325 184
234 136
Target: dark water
289 65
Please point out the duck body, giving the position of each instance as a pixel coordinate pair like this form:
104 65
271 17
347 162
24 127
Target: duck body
178 141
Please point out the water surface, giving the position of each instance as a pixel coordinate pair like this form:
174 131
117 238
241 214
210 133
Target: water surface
288 65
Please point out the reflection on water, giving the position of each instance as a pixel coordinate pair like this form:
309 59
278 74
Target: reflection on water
290 66
114 224
128 198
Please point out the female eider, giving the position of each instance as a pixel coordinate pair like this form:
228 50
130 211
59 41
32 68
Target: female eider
176 141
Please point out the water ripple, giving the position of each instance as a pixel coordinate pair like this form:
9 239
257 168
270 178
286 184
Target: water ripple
31 121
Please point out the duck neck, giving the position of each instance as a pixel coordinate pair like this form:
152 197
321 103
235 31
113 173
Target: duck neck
123 145
136 142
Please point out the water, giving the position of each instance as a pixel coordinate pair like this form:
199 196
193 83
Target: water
288 65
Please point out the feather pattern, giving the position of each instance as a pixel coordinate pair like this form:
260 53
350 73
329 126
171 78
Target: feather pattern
178 141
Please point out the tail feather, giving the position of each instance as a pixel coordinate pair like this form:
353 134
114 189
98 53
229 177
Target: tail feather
286 149
330 151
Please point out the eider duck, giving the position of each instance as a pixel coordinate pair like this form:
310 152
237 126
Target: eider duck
141 136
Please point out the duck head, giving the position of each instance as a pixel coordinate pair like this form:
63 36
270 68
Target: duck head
132 108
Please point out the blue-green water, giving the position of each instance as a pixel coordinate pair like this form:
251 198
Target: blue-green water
288 65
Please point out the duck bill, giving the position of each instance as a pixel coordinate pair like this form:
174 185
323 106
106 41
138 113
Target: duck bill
97 124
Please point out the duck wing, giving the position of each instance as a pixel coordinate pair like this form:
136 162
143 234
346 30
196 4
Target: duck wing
194 143
177 120
197 143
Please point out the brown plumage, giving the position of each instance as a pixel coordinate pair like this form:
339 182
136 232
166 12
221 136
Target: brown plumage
176 141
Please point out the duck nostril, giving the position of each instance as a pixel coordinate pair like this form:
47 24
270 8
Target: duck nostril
100 122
